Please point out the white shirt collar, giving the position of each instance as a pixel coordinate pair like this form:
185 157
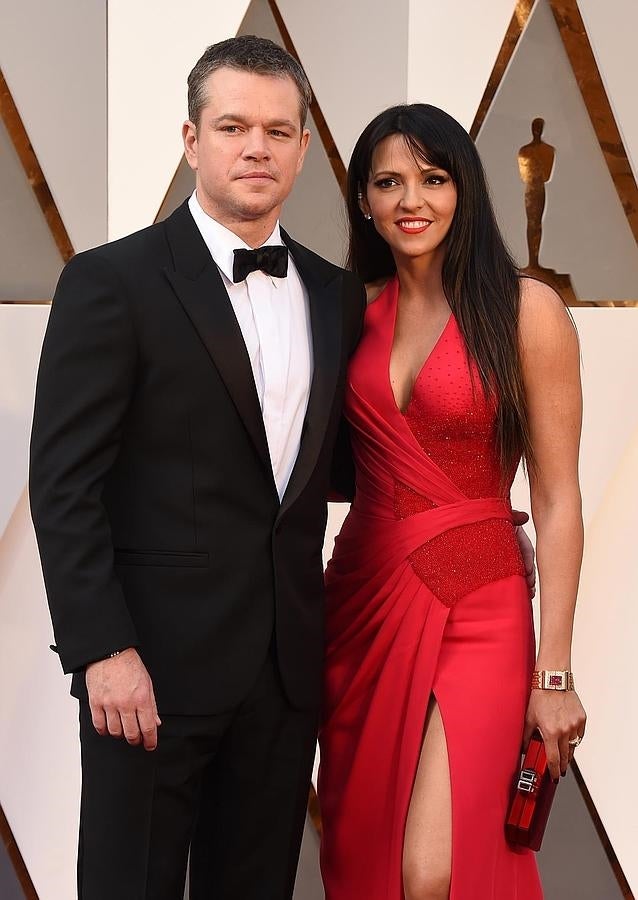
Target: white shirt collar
221 241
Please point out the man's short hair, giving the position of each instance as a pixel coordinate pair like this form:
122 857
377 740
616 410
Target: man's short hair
247 53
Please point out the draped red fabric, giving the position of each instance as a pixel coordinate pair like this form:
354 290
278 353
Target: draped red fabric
430 515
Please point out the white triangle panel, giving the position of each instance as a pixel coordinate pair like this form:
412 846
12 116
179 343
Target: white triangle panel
21 334
605 656
356 57
452 52
612 27
53 57
39 750
151 50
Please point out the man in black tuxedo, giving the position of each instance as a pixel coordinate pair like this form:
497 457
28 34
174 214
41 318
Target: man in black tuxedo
187 405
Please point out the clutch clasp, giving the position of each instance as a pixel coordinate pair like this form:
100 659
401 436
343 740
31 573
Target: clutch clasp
527 782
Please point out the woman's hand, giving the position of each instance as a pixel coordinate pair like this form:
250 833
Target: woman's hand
560 717
527 552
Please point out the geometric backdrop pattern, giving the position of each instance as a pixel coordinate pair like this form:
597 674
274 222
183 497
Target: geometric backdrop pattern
552 76
94 152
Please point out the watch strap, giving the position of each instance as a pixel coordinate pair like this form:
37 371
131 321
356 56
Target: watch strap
551 680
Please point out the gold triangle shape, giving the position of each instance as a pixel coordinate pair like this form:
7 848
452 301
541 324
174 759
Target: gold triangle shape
35 176
585 69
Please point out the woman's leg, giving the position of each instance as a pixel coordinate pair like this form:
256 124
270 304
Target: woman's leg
427 849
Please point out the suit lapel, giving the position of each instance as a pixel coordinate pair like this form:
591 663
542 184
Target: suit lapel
326 323
200 289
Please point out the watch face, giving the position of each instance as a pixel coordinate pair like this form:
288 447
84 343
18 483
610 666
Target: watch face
550 680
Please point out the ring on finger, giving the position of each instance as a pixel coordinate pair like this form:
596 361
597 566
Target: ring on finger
574 742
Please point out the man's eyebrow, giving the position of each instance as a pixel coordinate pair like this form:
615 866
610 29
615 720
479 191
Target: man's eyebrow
286 123
229 117
273 123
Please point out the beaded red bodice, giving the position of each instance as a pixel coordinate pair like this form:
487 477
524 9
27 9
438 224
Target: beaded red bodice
453 422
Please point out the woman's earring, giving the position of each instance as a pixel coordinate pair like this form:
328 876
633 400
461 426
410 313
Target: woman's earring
366 215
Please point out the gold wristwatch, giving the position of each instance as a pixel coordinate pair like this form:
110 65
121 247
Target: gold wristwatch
546 680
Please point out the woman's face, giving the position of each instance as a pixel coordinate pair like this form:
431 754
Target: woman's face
412 204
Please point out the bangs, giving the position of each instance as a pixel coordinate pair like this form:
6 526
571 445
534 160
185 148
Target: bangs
427 144
422 155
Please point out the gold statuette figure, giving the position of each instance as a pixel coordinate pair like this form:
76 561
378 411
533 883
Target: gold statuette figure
536 164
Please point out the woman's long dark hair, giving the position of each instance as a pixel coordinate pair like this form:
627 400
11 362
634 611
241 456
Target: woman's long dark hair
480 279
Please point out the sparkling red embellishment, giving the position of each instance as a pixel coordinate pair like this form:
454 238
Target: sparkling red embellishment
555 680
454 424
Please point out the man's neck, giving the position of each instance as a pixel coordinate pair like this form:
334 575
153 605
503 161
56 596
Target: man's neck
251 231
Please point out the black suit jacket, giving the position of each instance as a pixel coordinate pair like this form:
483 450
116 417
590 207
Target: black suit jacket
152 494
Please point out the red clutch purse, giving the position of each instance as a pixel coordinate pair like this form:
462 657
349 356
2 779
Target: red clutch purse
532 798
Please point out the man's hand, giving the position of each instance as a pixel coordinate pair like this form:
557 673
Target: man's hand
122 700
527 550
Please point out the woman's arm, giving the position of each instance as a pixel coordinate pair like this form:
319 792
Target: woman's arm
551 372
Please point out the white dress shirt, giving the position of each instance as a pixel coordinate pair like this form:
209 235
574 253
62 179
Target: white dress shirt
274 317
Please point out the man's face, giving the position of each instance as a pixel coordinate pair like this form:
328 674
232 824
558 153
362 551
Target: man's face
249 146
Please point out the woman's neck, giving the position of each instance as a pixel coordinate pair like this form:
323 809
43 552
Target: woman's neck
421 278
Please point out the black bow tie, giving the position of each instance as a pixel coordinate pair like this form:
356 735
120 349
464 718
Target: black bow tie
273 260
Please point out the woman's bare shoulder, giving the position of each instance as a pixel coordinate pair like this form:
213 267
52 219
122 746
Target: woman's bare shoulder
543 316
375 288
535 292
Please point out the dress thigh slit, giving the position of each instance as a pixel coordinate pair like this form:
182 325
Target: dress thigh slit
434 703
483 716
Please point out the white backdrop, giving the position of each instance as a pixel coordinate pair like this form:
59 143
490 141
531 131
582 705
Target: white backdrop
115 137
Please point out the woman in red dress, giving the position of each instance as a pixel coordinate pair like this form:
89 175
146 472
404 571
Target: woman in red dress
463 369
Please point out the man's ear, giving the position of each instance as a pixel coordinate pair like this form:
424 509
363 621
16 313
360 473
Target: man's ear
189 136
303 148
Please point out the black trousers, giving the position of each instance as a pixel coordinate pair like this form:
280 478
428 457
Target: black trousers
232 789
